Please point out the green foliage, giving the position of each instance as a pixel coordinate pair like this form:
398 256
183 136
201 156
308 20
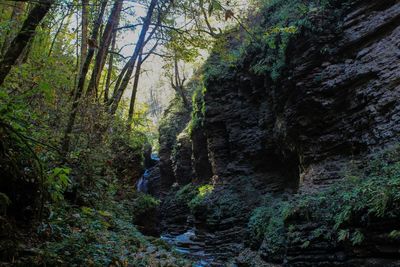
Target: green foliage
395 234
267 222
342 212
261 45
173 122
92 237
193 196
186 193
4 203
203 192
144 203
357 238
199 109
57 182
216 205
221 63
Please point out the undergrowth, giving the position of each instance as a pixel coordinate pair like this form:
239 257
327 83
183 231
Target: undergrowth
261 44
88 236
342 212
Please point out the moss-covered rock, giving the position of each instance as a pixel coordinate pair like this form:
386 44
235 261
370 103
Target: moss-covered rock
175 119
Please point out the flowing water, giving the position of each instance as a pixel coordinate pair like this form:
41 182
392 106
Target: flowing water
187 244
142 184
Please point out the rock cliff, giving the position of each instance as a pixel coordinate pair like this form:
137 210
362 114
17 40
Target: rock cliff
333 101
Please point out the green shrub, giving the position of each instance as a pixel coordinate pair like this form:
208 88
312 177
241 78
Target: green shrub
203 192
57 182
144 203
373 194
199 109
186 193
267 222
342 212
261 45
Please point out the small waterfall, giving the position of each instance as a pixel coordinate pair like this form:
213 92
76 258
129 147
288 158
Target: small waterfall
142 184
155 157
188 244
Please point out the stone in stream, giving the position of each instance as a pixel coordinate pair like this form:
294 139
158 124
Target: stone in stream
185 244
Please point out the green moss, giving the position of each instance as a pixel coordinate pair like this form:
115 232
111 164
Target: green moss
341 211
199 109
262 46
186 193
174 121
203 192
143 203
267 222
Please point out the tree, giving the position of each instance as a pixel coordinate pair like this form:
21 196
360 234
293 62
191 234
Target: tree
110 66
178 84
129 67
24 36
16 17
60 27
140 62
100 61
81 81
84 34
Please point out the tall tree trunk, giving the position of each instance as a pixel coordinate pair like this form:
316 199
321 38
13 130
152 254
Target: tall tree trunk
15 20
134 90
104 46
59 30
119 80
139 46
81 82
140 62
110 67
84 34
26 33
179 83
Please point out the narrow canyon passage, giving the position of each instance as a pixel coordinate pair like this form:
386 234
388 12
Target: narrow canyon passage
203 133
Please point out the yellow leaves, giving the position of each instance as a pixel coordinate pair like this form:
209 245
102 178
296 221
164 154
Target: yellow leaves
87 210
277 29
205 189
105 213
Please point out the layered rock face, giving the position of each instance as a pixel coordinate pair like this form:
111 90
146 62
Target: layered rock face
182 159
338 98
175 120
336 101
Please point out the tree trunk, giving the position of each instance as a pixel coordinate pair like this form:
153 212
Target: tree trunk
139 46
119 79
179 85
110 68
104 46
81 82
26 33
134 90
136 82
84 35
16 16
59 30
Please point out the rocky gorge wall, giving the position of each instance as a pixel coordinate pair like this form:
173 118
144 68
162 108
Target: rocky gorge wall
334 103
338 99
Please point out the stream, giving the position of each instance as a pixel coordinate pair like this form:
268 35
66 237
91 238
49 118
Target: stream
187 244
142 184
